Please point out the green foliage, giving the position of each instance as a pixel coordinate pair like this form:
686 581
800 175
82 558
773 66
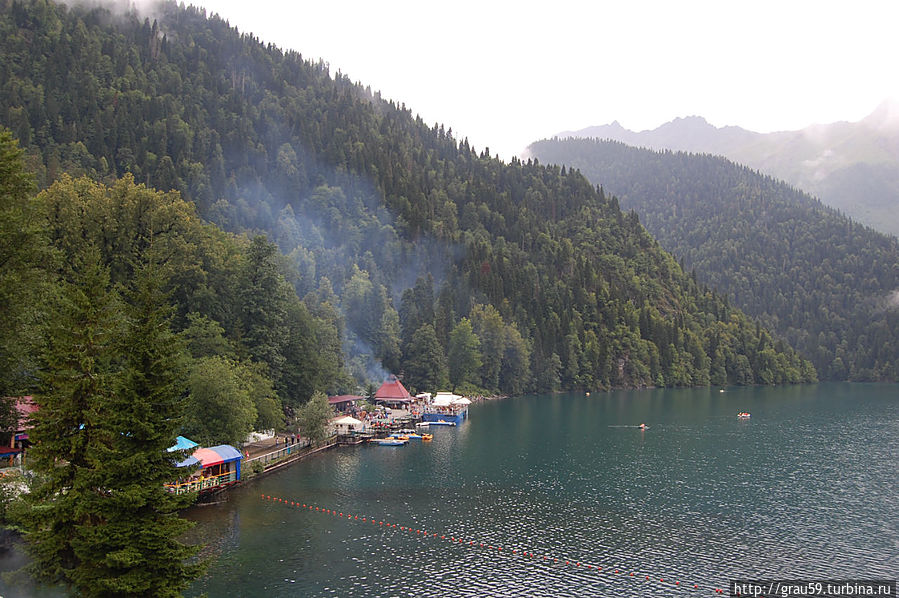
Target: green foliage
78 374
345 183
824 283
464 357
111 402
426 365
314 416
130 544
21 249
221 410
205 337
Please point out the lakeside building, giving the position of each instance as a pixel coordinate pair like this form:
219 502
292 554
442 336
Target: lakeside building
393 394
219 468
13 452
343 403
446 407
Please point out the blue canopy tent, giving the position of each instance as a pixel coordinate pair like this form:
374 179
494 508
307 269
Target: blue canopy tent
182 444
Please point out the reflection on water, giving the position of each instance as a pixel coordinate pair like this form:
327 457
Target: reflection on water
805 488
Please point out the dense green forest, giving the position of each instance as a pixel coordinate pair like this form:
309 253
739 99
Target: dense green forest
420 254
824 283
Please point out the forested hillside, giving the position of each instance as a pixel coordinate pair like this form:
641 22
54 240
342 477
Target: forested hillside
826 284
420 240
850 166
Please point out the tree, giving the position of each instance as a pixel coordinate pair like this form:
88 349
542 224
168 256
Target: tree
269 412
77 377
314 417
515 373
488 325
220 407
426 366
21 249
130 545
205 337
463 354
263 301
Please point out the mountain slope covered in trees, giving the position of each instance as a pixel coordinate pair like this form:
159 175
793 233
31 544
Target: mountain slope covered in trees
828 285
851 166
411 232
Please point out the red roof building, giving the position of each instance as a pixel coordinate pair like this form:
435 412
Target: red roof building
392 392
344 402
25 407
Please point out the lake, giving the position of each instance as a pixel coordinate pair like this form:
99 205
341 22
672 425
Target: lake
805 488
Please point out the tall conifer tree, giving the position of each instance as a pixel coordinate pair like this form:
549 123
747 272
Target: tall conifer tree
78 374
132 546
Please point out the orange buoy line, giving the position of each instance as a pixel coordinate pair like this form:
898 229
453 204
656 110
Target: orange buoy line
542 558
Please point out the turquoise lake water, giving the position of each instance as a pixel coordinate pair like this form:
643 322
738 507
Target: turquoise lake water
806 488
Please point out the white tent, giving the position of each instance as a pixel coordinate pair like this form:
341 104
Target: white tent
445 399
347 424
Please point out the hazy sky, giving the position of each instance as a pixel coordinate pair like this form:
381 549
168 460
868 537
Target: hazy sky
506 73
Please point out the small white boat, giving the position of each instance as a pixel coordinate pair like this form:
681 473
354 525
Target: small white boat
389 441
743 415
422 424
442 423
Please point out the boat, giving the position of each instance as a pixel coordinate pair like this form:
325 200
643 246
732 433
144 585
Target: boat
422 424
442 423
389 441
743 415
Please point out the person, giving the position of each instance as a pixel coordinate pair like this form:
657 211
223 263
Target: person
642 426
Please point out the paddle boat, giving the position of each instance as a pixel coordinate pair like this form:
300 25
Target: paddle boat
411 435
743 415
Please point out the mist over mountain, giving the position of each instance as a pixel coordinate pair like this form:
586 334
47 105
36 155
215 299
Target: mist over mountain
400 236
822 281
853 167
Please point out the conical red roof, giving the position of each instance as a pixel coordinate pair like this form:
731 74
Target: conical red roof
393 390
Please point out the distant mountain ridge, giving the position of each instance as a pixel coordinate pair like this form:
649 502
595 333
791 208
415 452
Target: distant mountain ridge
853 167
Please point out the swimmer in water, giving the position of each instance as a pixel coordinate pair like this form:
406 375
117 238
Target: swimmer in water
642 426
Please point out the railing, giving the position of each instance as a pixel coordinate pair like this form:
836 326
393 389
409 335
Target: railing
203 483
278 454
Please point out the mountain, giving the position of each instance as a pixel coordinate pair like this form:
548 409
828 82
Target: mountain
409 231
853 167
820 280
